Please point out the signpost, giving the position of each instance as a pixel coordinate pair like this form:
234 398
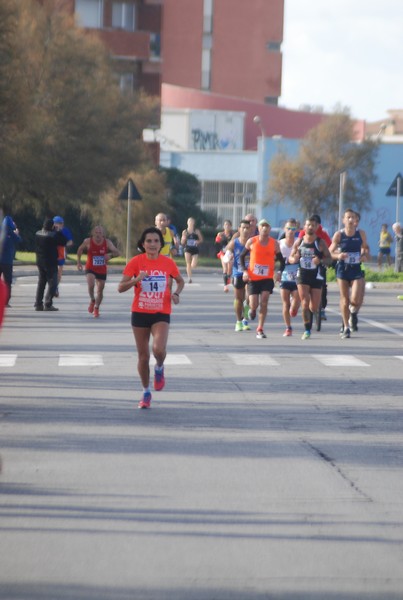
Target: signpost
129 193
342 185
395 190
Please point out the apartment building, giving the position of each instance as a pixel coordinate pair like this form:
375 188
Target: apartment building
131 31
228 47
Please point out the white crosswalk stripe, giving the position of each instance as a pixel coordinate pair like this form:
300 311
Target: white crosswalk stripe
340 360
253 360
65 285
8 360
80 360
174 359
239 359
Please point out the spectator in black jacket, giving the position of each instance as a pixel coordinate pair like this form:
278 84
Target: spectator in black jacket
46 242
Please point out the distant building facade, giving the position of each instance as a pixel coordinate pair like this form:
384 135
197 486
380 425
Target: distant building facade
229 47
131 31
217 65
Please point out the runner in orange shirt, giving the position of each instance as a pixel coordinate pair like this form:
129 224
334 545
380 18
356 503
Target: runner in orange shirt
149 274
264 251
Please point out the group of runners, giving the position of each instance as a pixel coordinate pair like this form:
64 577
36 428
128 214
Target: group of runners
253 262
298 261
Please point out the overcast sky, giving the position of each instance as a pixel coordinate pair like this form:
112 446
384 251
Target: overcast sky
344 51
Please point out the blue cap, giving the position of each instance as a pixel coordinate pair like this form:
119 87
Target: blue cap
58 220
8 222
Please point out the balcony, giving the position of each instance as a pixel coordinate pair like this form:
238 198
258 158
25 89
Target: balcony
133 45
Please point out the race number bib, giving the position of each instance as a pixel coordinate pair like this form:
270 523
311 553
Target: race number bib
154 284
353 258
290 273
98 261
191 243
306 262
261 270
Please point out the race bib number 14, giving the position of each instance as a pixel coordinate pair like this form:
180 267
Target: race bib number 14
155 284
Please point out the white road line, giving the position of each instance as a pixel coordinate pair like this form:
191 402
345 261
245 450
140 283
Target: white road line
242 360
384 327
253 359
371 322
8 360
63 285
337 360
174 359
80 360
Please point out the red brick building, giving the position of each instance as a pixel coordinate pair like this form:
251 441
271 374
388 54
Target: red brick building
209 54
131 30
229 47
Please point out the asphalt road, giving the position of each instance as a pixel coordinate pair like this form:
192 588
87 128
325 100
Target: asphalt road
265 469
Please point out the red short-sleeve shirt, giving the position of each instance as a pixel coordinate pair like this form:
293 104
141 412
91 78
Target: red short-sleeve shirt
153 293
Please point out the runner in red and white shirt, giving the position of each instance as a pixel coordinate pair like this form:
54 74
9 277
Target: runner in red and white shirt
150 275
99 251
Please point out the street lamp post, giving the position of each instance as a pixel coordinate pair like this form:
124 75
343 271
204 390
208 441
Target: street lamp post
258 121
129 193
342 185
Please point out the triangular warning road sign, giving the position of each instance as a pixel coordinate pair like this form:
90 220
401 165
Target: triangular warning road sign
392 191
130 192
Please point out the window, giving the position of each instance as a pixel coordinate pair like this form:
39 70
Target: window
155 45
208 16
123 16
228 199
206 69
273 46
126 83
89 13
207 41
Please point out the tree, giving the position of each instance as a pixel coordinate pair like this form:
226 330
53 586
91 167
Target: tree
311 181
11 106
80 134
112 213
183 197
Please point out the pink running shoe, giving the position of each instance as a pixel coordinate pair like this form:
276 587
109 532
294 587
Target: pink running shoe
145 402
159 380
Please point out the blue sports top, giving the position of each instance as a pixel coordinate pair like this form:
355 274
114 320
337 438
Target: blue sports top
237 270
351 245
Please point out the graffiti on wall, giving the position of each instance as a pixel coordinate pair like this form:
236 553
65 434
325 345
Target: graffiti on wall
209 140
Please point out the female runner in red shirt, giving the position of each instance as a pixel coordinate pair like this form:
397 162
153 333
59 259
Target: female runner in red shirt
150 275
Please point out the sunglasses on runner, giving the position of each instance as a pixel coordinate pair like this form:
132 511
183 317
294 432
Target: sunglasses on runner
291 228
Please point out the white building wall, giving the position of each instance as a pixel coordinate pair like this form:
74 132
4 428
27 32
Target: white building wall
201 130
228 180
218 166
243 170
